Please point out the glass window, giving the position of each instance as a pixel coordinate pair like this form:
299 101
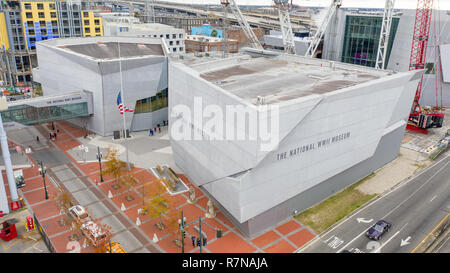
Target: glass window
40 6
53 14
86 14
87 30
29 15
97 21
27 6
429 68
41 15
361 38
97 29
86 22
51 6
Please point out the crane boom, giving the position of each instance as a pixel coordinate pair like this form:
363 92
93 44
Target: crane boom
384 34
245 26
332 9
420 120
285 25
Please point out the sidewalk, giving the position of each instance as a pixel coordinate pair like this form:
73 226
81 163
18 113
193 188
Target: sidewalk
135 235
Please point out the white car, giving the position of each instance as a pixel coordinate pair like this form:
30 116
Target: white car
79 213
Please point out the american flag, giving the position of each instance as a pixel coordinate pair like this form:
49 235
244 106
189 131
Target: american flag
121 106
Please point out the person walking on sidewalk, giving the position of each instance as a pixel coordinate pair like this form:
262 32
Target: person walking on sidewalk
37 138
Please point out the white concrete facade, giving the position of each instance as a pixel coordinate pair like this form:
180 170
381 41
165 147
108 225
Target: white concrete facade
174 37
320 135
64 71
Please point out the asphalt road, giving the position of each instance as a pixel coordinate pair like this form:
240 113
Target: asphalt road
414 209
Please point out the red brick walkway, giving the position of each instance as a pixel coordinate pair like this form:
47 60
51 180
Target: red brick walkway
284 238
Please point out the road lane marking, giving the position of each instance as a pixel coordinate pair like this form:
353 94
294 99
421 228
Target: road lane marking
351 241
434 197
379 249
405 241
397 187
335 243
363 220
385 243
423 241
423 185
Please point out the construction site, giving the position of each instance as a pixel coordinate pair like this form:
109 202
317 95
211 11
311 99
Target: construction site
240 117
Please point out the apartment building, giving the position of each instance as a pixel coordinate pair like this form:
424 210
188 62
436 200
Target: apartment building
24 23
174 37
199 43
92 24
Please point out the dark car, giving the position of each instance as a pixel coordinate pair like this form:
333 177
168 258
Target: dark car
376 231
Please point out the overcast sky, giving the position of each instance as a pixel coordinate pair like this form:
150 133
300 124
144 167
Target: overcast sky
400 4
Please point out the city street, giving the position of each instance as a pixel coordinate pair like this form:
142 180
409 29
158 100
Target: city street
414 208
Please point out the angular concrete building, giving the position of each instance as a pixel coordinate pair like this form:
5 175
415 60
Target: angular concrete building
331 125
92 65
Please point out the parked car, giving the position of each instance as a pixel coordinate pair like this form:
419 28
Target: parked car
79 213
376 231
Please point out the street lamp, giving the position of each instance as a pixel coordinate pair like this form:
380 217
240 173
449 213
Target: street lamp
43 171
99 157
181 223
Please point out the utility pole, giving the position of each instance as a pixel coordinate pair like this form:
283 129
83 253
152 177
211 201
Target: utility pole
99 157
4 206
43 171
123 102
7 156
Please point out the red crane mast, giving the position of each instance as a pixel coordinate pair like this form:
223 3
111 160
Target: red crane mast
420 120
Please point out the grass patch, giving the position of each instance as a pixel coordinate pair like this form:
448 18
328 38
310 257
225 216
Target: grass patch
323 215
420 166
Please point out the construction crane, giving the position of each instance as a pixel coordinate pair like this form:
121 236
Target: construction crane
384 34
149 12
285 25
244 24
332 9
419 119
225 4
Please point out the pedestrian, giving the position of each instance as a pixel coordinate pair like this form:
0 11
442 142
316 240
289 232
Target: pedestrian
51 136
37 138
54 134
193 240
150 132
159 128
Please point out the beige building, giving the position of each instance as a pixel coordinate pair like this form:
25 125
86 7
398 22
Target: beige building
198 43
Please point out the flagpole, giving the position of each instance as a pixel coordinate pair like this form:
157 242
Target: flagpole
123 107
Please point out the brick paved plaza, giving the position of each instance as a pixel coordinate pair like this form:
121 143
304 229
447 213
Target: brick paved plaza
79 174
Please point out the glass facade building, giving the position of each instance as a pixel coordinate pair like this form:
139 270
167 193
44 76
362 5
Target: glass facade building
361 38
29 115
153 103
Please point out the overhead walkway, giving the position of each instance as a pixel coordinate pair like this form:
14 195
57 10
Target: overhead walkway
48 108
